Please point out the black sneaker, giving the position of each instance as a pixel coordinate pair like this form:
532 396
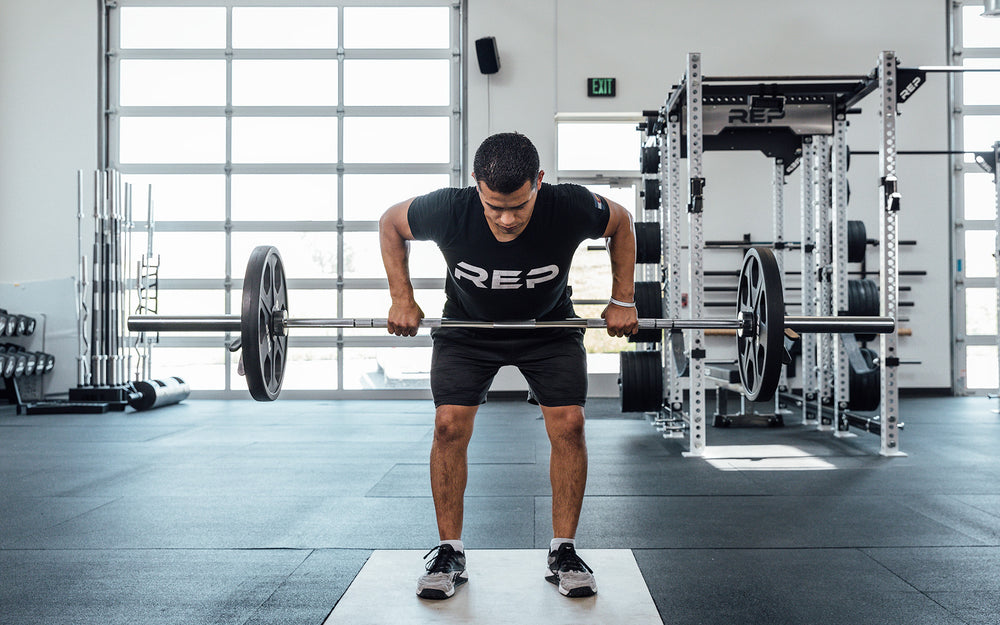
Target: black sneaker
571 574
445 573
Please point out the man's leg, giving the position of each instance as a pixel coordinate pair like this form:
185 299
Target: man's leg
568 472
449 467
567 466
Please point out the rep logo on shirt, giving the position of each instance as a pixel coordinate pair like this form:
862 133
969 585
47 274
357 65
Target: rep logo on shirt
504 278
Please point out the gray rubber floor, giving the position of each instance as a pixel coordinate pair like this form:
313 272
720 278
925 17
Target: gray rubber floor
238 512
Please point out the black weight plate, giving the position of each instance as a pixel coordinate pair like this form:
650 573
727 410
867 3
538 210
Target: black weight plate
865 384
648 305
862 298
857 241
760 352
651 194
640 382
264 352
647 243
650 159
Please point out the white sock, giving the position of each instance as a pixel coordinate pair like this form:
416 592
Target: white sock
455 544
554 544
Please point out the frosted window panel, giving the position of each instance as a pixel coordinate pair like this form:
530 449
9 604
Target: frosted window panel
172 140
280 83
981 87
397 83
980 246
187 254
367 196
978 31
363 257
281 197
980 196
981 366
203 368
310 368
598 146
304 254
397 27
397 139
981 132
188 302
196 197
981 311
173 27
284 140
172 83
284 27
387 368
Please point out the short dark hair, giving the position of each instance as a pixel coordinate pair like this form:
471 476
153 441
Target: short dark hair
504 161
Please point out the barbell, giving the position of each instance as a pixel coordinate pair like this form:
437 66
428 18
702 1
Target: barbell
263 324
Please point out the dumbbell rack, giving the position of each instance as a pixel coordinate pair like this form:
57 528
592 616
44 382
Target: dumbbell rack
16 361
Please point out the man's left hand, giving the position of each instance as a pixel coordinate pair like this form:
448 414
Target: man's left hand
621 320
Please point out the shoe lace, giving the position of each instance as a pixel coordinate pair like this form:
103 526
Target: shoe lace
442 560
568 560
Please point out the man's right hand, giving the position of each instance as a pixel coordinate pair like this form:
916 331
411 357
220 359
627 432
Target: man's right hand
404 318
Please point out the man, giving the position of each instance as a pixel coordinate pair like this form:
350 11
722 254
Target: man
508 243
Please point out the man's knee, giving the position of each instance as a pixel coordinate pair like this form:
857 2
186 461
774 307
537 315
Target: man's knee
565 424
453 424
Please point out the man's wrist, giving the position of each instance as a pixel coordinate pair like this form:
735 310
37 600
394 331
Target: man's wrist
621 303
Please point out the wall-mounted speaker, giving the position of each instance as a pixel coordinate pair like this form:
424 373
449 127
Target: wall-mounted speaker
486 53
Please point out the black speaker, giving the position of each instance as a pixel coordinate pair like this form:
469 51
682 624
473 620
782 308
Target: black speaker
486 52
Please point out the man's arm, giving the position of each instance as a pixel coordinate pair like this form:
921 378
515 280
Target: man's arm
620 233
394 239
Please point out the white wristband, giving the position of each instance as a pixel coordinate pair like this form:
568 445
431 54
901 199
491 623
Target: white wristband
622 304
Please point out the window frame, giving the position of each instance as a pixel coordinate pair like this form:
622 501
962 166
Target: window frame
232 282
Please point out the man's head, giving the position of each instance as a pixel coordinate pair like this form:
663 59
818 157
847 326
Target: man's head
505 161
507 177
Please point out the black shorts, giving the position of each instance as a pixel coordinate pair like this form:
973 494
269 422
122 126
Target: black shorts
465 360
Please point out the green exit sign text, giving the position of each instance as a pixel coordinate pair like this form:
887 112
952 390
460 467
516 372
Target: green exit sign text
601 87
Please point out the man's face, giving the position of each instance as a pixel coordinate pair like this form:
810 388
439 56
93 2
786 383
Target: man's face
508 213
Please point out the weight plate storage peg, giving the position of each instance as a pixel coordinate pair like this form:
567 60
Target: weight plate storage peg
760 351
265 296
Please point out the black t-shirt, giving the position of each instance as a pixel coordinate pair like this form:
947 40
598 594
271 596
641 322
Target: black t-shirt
522 279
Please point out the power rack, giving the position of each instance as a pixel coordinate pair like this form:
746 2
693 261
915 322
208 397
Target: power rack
795 120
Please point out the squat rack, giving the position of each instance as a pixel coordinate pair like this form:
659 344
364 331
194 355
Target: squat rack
793 119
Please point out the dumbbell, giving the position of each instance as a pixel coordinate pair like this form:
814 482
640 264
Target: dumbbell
9 363
3 322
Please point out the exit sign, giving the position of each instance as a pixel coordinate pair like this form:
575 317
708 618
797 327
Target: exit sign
601 87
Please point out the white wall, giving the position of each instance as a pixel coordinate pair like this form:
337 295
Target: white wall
549 47
48 131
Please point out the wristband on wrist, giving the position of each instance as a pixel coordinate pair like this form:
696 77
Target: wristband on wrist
622 304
